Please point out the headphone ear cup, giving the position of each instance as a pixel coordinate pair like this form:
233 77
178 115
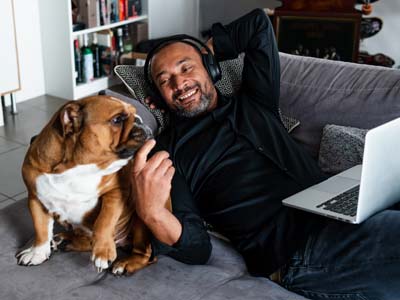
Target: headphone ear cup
155 97
212 67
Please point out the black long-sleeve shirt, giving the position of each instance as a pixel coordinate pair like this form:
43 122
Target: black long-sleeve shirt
237 163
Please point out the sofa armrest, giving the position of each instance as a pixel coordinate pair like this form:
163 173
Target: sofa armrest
319 92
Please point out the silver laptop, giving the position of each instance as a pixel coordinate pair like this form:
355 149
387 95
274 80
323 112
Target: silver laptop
359 192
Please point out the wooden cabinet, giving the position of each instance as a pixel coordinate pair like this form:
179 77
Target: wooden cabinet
319 28
9 68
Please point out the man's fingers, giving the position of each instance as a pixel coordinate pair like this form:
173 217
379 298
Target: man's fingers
156 160
164 166
170 173
150 103
141 156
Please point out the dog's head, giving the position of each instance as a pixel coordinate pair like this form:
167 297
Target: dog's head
101 128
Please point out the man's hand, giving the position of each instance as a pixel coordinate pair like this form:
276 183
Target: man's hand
151 182
210 45
150 102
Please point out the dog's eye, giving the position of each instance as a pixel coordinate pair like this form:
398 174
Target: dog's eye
118 119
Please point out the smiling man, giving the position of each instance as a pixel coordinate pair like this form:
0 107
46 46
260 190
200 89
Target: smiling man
230 163
192 92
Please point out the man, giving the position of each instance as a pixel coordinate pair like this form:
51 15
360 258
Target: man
231 162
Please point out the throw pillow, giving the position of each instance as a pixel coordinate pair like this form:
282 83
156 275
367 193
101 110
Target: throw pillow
133 77
341 148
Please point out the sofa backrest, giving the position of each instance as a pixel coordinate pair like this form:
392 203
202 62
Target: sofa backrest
319 92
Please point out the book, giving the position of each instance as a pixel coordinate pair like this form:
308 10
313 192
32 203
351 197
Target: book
98 12
122 11
88 10
103 12
134 8
108 4
114 10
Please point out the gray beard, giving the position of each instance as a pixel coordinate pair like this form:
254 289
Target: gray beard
205 101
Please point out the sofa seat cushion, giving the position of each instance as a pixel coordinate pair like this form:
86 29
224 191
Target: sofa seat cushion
71 275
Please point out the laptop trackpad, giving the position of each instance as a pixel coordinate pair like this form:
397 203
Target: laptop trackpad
336 185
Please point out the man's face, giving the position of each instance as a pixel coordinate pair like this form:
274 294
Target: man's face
178 72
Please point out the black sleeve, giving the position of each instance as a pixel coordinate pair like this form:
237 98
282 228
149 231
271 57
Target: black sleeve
193 246
252 34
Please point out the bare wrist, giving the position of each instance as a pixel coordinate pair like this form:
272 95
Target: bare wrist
164 225
150 217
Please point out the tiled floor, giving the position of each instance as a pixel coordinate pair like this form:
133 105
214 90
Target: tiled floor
14 140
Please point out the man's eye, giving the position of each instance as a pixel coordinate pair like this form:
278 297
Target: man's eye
186 69
118 119
162 82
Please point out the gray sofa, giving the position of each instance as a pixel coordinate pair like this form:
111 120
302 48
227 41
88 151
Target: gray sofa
317 93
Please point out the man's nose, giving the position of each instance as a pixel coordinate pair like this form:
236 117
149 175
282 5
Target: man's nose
178 82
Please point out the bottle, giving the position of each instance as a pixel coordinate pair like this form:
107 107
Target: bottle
87 61
128 45
78 62
96 57
120 47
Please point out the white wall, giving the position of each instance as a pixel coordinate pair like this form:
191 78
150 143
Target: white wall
166 12
29 49
225 11
386 41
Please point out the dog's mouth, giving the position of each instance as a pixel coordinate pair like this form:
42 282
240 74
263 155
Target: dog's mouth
139 134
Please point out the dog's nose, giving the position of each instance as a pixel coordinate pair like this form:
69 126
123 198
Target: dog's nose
146 131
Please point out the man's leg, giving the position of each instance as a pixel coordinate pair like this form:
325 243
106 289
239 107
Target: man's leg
345 261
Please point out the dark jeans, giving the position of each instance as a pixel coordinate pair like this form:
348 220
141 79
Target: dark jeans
345 261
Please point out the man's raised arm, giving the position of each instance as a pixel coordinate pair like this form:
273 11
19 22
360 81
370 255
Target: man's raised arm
252 34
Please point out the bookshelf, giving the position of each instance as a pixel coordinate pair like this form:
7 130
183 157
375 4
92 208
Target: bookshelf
58 37
109 26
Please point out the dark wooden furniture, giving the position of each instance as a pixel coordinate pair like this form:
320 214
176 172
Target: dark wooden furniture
319 28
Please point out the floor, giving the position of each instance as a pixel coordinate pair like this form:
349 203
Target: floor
15 135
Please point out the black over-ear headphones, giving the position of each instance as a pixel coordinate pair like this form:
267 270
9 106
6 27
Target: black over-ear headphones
210 63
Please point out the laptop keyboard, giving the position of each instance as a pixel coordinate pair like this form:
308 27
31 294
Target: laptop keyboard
345 203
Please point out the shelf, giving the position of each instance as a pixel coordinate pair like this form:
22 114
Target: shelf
108 26
93 87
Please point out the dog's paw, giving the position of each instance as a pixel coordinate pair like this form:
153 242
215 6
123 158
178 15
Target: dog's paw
131 264
33 256
103 254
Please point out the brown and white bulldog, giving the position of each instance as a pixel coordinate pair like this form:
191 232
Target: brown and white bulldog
77 172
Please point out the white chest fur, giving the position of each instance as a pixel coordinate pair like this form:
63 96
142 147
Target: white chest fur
74 192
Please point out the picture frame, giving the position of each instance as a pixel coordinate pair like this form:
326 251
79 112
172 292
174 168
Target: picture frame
333 37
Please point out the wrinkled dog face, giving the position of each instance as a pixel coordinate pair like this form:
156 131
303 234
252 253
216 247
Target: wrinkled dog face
103 126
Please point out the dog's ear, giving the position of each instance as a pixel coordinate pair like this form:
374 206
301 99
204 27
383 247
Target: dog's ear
71 118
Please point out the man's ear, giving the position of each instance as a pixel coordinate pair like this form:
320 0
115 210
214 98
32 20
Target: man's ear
71 118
